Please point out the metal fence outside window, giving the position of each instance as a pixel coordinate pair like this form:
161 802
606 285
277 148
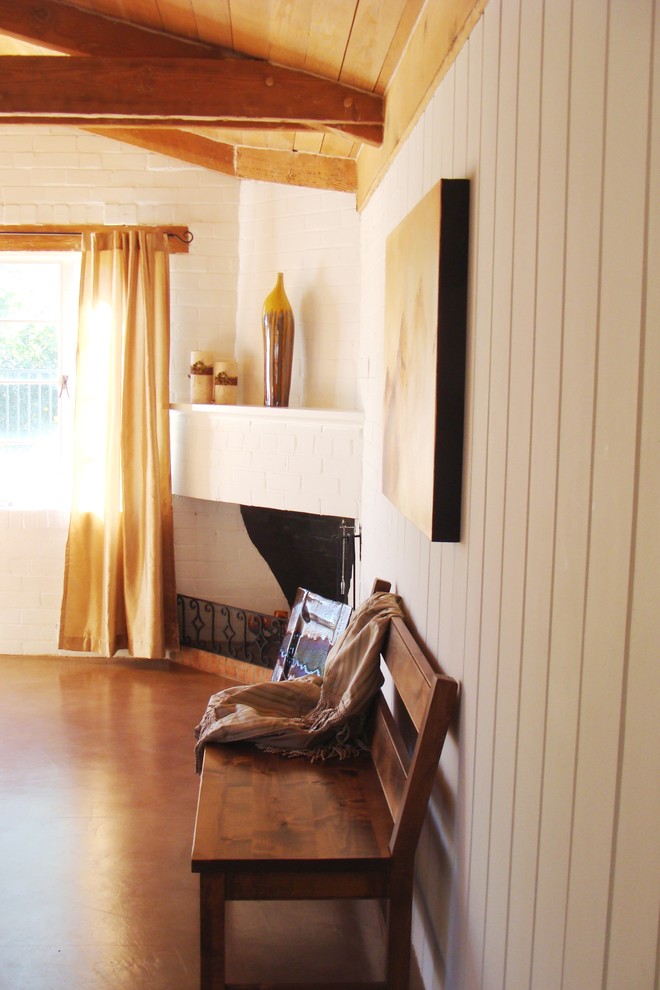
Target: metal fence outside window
28 406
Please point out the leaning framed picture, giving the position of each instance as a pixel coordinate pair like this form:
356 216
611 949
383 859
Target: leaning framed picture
426 277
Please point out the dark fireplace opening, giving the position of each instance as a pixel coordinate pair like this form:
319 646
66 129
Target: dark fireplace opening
304 550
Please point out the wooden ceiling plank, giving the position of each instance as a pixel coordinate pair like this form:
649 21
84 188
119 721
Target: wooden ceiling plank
374 29
291 25
234 137
308 142
370 133
403 31
213 20
437 39
178 17
144 12
364 133
188 89
281 140
251 24
326 44
296 168
73 31
336 145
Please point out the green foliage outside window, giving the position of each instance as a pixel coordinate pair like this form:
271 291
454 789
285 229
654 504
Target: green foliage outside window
29 361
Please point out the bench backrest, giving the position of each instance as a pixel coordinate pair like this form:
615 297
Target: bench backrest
406 749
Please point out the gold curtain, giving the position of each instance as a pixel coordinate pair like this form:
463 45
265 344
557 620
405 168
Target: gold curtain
119 587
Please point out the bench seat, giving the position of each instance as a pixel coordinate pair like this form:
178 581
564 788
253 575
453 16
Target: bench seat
263 810
273 828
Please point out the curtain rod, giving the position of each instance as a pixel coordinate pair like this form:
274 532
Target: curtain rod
186 238
179 233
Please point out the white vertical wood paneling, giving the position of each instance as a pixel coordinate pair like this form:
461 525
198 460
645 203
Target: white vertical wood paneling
447 108
528 718
434 583
512 526
465 662
498 409
428 122
460 118
614 452
546 878
550 286
472 876
525 104
415 168
632 935
573 480
436 111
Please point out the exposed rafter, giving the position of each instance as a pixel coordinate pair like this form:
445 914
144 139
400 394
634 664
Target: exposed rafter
160 90
73 31
402 48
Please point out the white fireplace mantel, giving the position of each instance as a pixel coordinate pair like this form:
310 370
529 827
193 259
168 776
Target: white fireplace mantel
305 460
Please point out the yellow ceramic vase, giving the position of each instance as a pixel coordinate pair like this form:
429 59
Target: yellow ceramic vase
277 319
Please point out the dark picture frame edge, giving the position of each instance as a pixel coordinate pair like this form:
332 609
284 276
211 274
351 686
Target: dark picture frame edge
451 359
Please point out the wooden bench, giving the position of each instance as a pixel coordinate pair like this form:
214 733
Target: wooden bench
273 828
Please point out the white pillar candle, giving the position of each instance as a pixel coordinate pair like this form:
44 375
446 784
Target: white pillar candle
201 389
204 356
225 378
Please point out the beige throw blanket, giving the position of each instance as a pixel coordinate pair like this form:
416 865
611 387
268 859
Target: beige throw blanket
314 716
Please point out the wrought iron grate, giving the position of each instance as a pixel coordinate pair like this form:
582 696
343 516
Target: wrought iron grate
231 632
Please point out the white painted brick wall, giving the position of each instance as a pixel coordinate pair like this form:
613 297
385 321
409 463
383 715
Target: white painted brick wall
64 176
32 552
313 237
216 561
51 176
297 459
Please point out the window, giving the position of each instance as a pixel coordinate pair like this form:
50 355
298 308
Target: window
38 324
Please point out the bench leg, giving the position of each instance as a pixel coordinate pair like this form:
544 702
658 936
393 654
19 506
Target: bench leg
399 933
212 930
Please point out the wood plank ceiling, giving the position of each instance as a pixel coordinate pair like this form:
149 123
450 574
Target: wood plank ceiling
280 90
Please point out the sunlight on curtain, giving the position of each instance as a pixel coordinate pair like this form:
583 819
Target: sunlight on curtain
119 589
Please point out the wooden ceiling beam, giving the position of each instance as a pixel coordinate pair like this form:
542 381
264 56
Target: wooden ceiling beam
74 31
296 168
59 90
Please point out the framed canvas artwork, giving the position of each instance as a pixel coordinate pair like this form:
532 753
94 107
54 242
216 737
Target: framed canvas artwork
425 340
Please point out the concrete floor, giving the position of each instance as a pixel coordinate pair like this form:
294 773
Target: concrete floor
97 806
